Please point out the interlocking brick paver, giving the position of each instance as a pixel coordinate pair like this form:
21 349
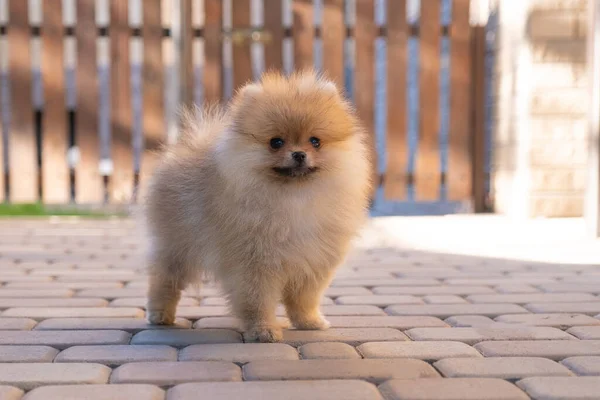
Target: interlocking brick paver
558 287
444 299
375 371
531 298
173 373
351 336
27 354
451 389
10 393
588 308
51 302
97 392
63 285
378 300
335 292
231 323
17 324
449 310
561 388
73 312
562 321
327 350
116 354
585 332
196 312
132 325
140 302
238 353
290 390
553 349
31 375
481 333
64 339
44 293
182 338
431 290
583 365
369 283
385 322
511 368
515 288
428 351
469 320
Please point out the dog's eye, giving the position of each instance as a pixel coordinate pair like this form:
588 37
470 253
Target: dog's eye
276 143
315 142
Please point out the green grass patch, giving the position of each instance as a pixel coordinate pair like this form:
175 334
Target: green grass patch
41 210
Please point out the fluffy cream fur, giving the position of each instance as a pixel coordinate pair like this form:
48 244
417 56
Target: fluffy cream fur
217 204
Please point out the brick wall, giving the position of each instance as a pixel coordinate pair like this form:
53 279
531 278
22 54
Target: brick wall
539 140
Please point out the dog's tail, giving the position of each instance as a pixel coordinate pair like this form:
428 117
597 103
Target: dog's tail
200 125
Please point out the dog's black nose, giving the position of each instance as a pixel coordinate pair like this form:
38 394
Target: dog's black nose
299 156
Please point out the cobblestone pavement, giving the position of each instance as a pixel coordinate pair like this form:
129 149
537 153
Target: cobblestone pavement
426 308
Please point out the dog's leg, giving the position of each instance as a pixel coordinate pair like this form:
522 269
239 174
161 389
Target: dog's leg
302 302
163 297
254 301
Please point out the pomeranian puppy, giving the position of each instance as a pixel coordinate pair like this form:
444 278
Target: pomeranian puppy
265 197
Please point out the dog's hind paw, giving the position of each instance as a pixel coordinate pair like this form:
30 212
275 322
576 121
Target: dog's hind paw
160 317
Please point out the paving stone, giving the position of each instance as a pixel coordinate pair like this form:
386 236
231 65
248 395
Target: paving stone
385 322
510 368
117 354
496 281
27 354
44 293
561 388
531 298
51 302
290 390
97 392
561 321
351 336
428 351
375 371
132 325
342 310
196 312
183 338
377 300
552 349
141 302
469 320
583 365
444 299
564 287
64 339
231 323
16 324
369 283
30 375
515 288
73 312
481 333
238 353
173 373
449 310
585 332
433 290
451 389
328 350
335 292
589 308
64 285
11 393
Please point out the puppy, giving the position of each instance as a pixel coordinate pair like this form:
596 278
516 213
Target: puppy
265 197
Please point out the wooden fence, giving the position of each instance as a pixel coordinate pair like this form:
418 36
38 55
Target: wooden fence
90 88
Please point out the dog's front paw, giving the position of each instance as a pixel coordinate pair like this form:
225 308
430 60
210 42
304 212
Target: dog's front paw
314 323
160 317
264 334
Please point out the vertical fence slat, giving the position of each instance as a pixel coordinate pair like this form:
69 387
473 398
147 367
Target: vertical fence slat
478 121
55 170
396 144
332 31
459 157
88 182
153 91
242 61
364 75
428 171
303 33
121 180
23 177
187 68
274 25
213 48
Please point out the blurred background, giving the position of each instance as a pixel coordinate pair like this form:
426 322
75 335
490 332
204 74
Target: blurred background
474 105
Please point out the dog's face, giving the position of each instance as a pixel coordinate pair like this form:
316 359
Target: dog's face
292 130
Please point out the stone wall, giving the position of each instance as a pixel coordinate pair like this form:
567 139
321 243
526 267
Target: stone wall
539 140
